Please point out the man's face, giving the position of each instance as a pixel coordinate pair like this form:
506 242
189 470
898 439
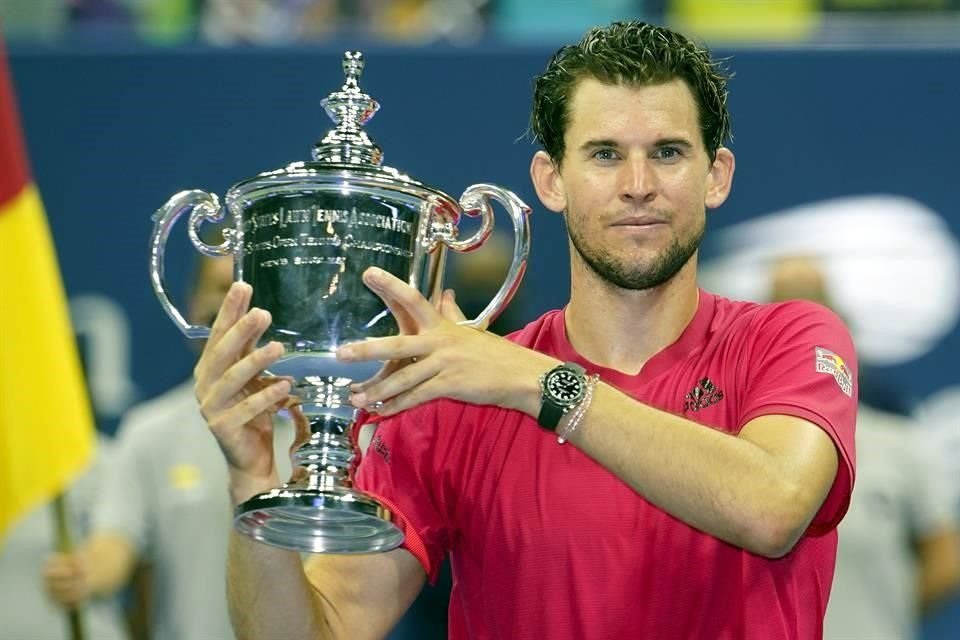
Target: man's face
636 180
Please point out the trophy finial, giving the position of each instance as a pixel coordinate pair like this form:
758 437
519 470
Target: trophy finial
353 67
350 108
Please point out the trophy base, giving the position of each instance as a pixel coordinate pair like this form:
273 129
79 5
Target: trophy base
335 520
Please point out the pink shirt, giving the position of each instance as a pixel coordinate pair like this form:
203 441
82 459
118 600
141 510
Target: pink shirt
546 543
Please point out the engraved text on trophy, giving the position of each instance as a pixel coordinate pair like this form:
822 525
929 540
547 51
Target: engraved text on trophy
305 261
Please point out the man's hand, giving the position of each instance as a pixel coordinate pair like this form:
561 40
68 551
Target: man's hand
436 357
66 577
235 400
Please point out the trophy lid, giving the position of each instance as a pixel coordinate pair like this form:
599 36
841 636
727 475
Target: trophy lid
345 159
350 109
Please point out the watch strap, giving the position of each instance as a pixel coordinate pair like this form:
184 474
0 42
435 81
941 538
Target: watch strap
551 412
550 415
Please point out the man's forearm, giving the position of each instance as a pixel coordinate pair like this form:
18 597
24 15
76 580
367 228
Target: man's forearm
721 484
269 595
111 560
939 559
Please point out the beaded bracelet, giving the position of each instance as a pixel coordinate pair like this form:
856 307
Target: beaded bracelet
564 432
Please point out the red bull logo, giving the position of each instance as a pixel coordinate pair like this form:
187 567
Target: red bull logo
830 363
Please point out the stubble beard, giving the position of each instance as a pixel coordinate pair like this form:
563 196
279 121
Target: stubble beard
633 277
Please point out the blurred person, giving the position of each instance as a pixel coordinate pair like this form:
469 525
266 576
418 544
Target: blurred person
165 21
890 6
27 611
100 15
940 415
899 549
525 19
282 21
163 506
33 19
227 22
747 20
477 277
650 461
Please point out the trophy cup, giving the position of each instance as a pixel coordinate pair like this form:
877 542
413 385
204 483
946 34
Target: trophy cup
302 236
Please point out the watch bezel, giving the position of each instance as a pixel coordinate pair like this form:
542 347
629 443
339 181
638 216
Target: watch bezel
552 407
574 376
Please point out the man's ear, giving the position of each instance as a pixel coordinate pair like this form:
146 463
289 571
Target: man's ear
720 178
547 182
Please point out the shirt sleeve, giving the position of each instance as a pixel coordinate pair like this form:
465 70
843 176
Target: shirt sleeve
121 507
803 364
84 492
406 467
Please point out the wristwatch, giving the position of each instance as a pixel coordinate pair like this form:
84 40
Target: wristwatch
561 389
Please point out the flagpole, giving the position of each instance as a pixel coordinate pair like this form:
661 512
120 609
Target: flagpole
65 545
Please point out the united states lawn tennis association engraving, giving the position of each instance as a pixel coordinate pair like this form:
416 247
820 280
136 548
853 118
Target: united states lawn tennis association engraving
288 235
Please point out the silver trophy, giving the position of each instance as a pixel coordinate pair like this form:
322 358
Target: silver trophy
302 236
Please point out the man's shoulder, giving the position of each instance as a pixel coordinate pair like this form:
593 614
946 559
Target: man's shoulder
747 317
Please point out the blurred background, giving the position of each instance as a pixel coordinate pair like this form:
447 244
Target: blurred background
844 119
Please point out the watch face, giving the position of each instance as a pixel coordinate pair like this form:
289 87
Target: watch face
565 386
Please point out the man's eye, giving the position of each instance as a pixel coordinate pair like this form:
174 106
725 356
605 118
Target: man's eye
668 153
605 154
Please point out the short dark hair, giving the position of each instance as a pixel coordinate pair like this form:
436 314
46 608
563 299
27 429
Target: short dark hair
632 53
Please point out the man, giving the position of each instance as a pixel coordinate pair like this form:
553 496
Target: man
899 545
161 505
708 451
27 612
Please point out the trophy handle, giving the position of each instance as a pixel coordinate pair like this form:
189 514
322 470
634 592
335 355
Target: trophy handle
476 201
203 207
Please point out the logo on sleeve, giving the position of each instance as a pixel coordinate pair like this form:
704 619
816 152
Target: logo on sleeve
830 363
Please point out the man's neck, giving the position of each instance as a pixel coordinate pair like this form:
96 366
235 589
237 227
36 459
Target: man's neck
622 329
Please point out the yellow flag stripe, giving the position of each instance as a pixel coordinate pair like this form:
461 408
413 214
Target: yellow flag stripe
46 425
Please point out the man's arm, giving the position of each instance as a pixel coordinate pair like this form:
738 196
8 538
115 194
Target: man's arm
330 597
939 559
758 490
99 567
271 594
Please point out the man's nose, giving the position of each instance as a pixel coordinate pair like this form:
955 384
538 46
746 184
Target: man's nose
638 181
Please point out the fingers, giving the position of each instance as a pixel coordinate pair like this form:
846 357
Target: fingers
384 371
405 322
407 400
399 383
392 348
219 358
223 413
65 579
264 381
449 308
232 308
399 296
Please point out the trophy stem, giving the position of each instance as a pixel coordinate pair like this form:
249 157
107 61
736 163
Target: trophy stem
329 451
319 510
